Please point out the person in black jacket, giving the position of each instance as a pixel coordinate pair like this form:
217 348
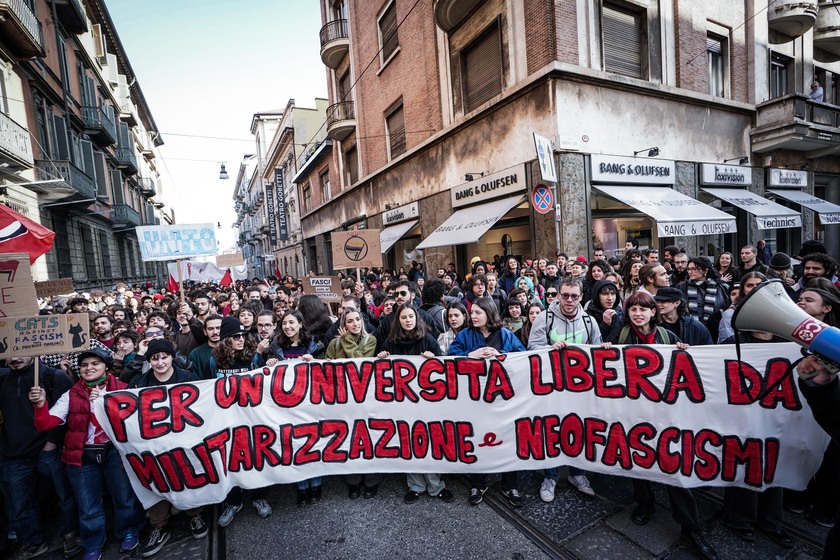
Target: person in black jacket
164 371
605 308
409 337
673 316
28 453
823 395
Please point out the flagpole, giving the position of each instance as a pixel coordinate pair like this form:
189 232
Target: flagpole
180 282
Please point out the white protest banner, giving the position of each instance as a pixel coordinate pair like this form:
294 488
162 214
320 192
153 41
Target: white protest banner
687 418
166 243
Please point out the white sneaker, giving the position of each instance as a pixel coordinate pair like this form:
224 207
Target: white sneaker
228 514
263 509
547 490
582 484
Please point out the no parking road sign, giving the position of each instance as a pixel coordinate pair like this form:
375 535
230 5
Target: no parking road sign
542 199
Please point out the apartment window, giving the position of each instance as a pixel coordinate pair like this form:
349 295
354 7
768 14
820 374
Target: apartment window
481 68
88 243
716 57
106 255
324 179
389 40
623 31
62 246
307 198
340 10
779 70
351 165
4 101
395 129
344 86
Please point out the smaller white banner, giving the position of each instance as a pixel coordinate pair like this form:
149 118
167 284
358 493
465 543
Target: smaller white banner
166 243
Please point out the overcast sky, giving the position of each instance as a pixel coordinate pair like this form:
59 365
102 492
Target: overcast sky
205 67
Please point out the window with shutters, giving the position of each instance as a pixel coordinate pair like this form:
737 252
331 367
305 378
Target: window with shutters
86 163
716 59
106 255
117 194
103 174
4 100
395 130
324 179
62 246
123 254
389 41
89 248
351 165
623 33
780 67
481 69
344 86
42 123
61 147
307 198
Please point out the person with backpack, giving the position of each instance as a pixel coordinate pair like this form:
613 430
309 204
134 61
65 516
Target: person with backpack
564 322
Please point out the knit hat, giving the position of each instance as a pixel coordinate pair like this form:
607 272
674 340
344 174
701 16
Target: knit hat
159 345
230 327
810 247
102 353
780 261
668 294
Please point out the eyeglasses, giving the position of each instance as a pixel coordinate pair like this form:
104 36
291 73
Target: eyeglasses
150 334
690 268
529 274
551 294
573 297
237 336
404 294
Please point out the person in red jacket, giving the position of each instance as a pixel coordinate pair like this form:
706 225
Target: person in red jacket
90 456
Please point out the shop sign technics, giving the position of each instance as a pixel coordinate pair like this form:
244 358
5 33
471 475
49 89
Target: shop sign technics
501 183
619 169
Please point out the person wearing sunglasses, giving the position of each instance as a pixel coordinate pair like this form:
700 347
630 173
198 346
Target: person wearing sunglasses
564 322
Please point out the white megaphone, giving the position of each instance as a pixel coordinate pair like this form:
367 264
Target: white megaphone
768 308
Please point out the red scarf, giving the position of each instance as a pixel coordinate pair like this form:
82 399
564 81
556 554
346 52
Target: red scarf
649 338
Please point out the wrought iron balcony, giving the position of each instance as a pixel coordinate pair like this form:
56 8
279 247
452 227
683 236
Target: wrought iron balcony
15 147
99 125
341 120
21 29
335 42
147 186
126 160
75 182
123 214
71 14
796 122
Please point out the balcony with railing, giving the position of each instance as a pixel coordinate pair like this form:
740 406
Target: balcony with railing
126 160
796 122
20 29
791 18
125 215
341 120
99 125
15 147
147 186
335 42
71 14
75 183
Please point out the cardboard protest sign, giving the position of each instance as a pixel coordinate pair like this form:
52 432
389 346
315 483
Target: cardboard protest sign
44 334
166 243
682 417
356 249
49 288
17 292
328 288
230 260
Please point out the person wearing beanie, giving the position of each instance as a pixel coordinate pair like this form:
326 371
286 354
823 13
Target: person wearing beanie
90 458
164 371
781 267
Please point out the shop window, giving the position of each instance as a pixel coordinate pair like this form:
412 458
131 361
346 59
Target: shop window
780 67
351 165
623 32
307 198
481 69
389 41
716 58
395 128
324 179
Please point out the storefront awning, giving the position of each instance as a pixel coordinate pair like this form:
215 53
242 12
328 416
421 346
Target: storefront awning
768 214
675 213
828 211
469 224
390 235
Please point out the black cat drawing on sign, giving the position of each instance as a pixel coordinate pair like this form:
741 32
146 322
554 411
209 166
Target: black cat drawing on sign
79 337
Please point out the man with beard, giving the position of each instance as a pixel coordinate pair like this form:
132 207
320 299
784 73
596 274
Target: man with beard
28 453
103 327
816 265
200 357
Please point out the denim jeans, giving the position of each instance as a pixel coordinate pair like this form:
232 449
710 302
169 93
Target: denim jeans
554 472
129 516
21 484
309 483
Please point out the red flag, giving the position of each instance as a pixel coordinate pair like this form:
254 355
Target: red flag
227 279
19 234
172 285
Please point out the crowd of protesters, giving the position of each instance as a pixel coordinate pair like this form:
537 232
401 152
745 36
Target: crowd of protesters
144 336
